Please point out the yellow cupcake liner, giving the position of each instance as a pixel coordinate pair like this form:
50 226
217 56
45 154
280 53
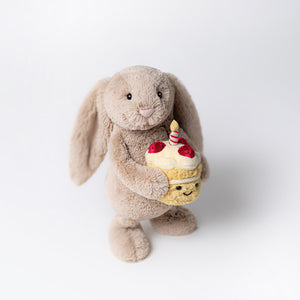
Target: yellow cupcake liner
184 186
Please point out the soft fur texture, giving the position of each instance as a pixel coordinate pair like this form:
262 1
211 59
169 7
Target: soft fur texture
176 221
108 121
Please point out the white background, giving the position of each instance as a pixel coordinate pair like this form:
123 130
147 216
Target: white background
239 60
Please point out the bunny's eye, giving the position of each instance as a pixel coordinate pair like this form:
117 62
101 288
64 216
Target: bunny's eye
129 96
178 187
159 94
196 185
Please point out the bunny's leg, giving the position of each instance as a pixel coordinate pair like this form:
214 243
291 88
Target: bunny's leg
177 221
127 240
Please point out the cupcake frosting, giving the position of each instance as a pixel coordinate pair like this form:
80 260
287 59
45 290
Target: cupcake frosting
175 156
174 153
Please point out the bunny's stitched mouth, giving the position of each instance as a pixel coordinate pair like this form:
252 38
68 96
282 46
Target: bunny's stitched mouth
187 194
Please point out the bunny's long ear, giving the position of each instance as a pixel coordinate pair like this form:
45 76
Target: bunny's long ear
90 135
185 113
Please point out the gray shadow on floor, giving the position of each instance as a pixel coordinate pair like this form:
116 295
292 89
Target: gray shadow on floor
231 193
228 195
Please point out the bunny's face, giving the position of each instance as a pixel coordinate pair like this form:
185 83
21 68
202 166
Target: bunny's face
139 98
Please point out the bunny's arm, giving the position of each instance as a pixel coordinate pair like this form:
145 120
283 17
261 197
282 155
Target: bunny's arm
205 166
148 182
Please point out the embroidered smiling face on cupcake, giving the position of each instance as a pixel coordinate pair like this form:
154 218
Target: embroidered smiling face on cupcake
181 164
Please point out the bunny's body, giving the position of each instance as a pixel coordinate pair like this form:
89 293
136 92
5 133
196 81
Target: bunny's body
125 202
124 115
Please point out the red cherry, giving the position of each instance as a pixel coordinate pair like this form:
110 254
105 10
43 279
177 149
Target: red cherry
156 147
186 151
183 141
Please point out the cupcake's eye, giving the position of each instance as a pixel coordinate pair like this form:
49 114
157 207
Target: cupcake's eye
129 96
196 185
178 187
159 94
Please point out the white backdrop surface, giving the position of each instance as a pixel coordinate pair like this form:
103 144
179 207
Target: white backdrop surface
240 62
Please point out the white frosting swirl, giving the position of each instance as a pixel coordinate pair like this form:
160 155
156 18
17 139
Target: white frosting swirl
169 158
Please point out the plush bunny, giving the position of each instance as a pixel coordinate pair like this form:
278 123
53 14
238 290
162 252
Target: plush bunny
123 115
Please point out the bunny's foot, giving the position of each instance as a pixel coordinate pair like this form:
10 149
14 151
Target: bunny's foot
127 240
177 221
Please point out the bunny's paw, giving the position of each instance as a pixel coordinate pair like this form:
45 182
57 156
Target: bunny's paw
205 169
177 221
129 244
156 185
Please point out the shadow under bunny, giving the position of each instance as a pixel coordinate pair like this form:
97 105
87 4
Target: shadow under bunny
232 193
227 196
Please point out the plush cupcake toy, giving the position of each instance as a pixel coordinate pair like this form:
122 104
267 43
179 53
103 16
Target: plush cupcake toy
181 164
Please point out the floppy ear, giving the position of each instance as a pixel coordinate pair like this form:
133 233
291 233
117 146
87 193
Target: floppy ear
185 113
90 135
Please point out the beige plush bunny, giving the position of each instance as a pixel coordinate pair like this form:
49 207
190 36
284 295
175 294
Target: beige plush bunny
123 115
